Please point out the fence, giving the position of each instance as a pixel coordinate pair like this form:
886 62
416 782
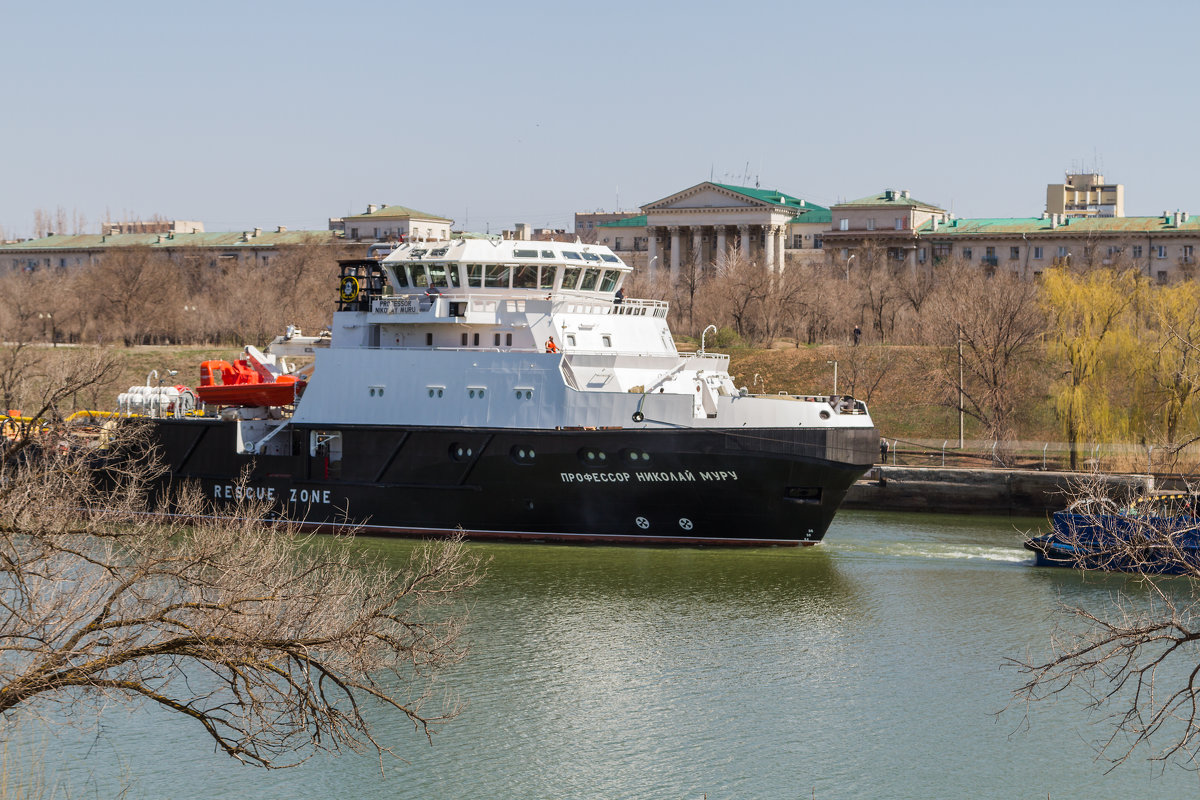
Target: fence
1178 460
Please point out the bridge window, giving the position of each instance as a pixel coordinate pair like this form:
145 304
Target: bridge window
525 277
590 278
570 277
609 282
475 275
497 276
546 281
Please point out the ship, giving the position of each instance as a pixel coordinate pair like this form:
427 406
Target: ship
509 390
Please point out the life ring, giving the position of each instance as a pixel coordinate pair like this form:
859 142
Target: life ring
348 289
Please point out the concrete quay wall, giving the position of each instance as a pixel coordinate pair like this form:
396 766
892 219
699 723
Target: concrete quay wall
984 491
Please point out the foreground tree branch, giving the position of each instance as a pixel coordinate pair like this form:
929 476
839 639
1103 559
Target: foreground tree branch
1136 661
279 645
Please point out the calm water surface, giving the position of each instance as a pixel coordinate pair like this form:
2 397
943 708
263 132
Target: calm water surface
867 667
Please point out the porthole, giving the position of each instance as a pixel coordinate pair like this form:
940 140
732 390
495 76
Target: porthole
634 455
461 452
471 392
522 454
824 414
592 457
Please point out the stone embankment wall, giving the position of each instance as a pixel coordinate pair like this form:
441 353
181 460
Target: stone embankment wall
984 491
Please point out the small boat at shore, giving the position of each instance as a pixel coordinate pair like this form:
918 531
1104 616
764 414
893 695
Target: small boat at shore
1158 534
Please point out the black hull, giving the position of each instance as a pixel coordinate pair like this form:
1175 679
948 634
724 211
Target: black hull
720 487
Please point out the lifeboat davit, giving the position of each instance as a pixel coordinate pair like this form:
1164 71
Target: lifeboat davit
250 381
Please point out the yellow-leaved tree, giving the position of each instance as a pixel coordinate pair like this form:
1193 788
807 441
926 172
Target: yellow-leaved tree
1093 330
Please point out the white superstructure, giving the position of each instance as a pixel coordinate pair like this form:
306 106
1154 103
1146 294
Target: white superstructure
459 338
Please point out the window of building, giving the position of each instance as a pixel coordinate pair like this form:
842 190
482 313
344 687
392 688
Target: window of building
899 223
966 254
871 223
843 224
1014 253
1162 276
1187 252
1037 252
797 241
818 242
990 252
1137 251
920 255
429 340
1160 251
1062 251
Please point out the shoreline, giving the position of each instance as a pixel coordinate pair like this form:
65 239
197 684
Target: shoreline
963 490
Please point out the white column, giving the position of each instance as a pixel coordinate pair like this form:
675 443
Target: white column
781 247
720 254
698 246
744 232
769 247
652 251
674 254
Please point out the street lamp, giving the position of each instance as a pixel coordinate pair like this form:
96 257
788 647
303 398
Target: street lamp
48 320
848 260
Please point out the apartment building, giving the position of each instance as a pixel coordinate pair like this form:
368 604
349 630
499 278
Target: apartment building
1085 195
1163 247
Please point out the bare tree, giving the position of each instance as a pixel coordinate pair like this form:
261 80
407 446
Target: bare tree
1134 660
275 644
998 323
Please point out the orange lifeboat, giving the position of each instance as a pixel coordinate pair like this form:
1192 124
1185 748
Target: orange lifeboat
246 382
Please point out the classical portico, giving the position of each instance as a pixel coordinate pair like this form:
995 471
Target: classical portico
710 222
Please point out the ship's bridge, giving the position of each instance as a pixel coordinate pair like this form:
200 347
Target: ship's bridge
503 266
506 296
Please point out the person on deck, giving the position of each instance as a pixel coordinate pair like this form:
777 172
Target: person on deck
551 347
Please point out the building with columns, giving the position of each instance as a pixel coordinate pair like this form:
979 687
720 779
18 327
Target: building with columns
710 219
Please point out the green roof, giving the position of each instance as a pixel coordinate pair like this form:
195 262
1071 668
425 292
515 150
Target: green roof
396 212
1077 225
629 222
774 197
235 239
888 197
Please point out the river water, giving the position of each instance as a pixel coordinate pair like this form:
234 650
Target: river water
866 667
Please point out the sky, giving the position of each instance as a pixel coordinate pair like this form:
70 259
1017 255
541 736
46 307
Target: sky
259 114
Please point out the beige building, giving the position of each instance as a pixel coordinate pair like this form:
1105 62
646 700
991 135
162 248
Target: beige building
586 222
63 251
1164 248
392 223
710 219
889 220
1085 195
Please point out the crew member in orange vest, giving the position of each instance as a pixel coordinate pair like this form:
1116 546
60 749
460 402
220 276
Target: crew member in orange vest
551 347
